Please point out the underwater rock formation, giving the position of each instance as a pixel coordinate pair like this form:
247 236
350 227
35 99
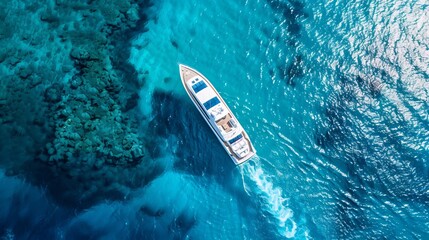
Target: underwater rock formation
89 120
63 94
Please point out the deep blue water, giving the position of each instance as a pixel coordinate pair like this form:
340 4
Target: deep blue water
334 95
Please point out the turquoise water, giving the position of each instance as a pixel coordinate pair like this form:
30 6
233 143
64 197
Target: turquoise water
333 95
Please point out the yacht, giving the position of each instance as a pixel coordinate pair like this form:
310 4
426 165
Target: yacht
217 114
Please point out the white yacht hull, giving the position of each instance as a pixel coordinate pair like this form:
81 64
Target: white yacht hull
188 74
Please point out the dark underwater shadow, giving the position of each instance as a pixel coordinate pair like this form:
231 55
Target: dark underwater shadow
25 212
200 154
199 151
292 72
369 167
292 12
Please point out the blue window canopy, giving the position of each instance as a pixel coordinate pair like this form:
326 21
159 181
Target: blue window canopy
240 136
211 103
199 86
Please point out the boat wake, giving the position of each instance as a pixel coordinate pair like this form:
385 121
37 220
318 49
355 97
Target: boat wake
270 196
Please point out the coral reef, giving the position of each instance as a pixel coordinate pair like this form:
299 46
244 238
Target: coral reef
62 93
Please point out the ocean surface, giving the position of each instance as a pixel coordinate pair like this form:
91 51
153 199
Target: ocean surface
333 94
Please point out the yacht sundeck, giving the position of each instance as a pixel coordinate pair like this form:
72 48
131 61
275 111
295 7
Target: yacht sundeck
217 114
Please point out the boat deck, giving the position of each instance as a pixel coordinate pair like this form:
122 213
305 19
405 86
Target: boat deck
187 73
224 123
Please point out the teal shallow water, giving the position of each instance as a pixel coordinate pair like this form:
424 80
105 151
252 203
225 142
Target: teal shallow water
333 95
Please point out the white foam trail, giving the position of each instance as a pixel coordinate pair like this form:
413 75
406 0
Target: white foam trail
271 196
